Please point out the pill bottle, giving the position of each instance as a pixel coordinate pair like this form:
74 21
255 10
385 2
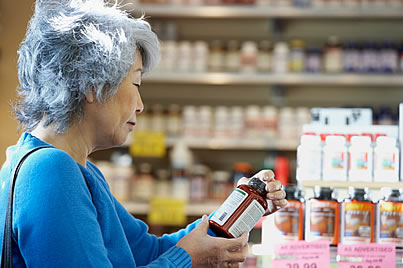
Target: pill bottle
360 158
322 216
389 218
241 210
335 159
386 160
309 158
357 217
290 220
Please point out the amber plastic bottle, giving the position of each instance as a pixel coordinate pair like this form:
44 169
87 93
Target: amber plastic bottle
389 214
290 220
322 216
357 217
241 210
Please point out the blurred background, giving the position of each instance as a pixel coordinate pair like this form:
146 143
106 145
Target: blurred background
236 83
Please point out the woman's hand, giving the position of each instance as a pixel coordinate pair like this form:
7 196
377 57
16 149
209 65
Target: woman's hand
209 251
275 196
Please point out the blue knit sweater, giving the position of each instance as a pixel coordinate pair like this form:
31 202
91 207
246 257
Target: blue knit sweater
57 223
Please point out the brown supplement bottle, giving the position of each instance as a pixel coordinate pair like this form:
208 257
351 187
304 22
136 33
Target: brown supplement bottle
389 214
322 216
357 217
241 210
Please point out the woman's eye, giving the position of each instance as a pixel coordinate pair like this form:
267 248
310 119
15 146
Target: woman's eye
137 85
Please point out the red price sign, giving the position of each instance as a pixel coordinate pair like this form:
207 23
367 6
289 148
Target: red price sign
366 256
302 254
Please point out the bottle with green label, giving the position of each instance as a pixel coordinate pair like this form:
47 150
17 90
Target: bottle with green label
241 210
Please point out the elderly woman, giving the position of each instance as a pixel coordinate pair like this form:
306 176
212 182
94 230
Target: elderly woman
80 68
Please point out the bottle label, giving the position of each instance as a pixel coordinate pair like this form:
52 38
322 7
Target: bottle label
322 221
288 221
229 206
386 161
248 219
358 222
359 161
391 223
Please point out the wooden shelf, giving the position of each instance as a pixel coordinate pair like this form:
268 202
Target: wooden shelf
218 78
346 184
261 12
192 209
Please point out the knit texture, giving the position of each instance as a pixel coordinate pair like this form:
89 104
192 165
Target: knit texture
58 222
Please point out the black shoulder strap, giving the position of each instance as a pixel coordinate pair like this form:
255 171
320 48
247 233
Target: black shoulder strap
7 254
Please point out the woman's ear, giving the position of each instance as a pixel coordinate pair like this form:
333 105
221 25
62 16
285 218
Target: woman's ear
89 96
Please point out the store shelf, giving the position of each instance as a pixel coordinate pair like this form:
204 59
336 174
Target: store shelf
192 209
218 78
262 12
225 144
346 184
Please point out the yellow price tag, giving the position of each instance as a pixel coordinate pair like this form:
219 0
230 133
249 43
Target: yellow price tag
148 144
167 211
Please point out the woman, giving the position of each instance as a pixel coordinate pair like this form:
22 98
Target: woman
80 68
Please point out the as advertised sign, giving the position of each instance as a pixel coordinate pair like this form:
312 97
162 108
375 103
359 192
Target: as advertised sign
302 254
366 256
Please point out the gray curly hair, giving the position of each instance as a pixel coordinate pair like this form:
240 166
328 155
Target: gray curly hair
72 47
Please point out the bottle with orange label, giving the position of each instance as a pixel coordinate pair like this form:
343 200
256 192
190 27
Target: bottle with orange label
389 216
357 217
289 221
322 216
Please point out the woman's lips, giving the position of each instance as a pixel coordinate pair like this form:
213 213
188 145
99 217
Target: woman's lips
131 125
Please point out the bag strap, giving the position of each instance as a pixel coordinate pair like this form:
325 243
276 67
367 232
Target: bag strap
7 253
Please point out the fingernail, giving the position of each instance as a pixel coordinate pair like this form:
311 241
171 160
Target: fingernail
204 218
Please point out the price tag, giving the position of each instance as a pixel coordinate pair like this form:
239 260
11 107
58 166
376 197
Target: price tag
167 211
302 254
366 256
148 144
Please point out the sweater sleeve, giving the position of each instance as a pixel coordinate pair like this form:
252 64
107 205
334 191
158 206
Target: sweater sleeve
55 221
147 248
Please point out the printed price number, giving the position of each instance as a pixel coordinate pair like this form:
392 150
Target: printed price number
305 265
360 266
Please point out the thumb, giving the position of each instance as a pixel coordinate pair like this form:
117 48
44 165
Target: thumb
204 225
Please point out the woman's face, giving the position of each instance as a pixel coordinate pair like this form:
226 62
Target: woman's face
116 118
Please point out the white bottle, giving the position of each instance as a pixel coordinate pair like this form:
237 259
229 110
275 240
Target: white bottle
189 122
309 158
280 57
221 122
386 164
335 159
181 162
205 122
249 57
360 155
200 56
237 122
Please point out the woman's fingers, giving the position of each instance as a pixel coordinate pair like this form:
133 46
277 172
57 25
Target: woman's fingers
273 186
265 175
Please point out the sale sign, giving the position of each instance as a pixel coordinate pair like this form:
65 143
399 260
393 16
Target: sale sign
366 256
302 254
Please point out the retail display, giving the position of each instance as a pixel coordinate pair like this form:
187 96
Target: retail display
386 163
241 210
285 3
282 57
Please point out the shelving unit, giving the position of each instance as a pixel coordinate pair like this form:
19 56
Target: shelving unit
346 184
191 209
222 144
265 12
288 79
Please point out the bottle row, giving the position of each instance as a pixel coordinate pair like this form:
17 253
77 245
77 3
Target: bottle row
282 57
362 157
356 219
228 124
186 180
285 3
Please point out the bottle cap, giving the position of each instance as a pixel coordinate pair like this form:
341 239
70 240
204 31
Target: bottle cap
259 185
